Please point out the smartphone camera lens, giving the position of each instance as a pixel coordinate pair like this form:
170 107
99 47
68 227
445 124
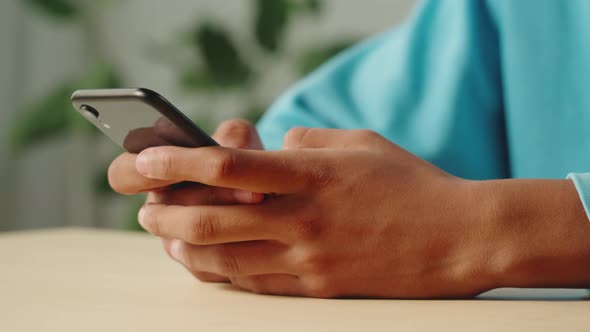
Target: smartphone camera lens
89 112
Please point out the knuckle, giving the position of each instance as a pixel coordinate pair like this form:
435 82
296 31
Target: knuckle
367 135
226 263
307 229
224 165
324 175
203 228
321 288
165 163
315 264
295 137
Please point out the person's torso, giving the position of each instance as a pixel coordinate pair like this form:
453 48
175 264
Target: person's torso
545 60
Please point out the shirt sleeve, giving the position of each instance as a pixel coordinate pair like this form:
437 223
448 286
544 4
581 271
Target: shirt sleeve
432 85
582 184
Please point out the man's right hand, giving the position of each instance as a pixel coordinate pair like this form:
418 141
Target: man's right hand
125 179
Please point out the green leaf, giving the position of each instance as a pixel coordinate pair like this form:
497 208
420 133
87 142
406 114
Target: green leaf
315 57
306 6
52 115
196 79
66 9
100 76
46 118
224 65
272 17
313 6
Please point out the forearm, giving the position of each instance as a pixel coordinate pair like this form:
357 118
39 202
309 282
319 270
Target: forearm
537 233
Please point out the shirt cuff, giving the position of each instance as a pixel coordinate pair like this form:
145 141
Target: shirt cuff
582 183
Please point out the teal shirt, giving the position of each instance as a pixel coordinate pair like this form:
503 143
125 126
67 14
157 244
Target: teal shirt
482 89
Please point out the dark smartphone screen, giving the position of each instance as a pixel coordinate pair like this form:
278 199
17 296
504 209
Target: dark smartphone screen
137 119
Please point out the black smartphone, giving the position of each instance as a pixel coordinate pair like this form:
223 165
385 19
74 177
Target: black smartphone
137 119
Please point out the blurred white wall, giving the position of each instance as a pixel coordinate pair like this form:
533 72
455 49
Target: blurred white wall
36 53
49 185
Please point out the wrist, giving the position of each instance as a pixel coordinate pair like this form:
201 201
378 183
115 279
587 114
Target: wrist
533 233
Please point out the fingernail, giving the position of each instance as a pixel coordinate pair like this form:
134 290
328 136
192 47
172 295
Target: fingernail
175 249
247 197
142 163
140 216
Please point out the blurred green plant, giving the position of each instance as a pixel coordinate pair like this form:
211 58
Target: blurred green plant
57 8
220 66
223 64
52 114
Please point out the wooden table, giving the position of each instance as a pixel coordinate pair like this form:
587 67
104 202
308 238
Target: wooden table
88 280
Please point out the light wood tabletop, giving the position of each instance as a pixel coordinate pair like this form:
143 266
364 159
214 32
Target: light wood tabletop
89 280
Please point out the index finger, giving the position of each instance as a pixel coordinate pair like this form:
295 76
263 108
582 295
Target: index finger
284 171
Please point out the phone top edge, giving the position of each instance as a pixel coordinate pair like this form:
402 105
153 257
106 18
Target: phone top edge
149 97
114 93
